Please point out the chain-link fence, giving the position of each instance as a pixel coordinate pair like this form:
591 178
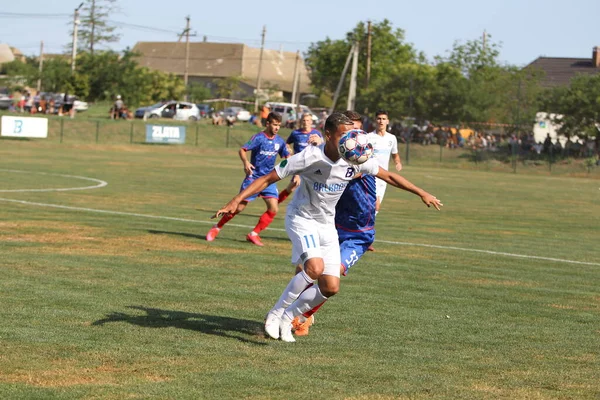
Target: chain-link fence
502 156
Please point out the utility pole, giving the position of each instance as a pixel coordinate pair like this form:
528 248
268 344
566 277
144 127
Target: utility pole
187 54
353 73
93 27
187 34
369 34
39 82
259 77
368 80
341 82
484 40
75 28
295 83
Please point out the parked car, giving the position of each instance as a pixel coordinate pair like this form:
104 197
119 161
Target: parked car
205 110
237 113
5 101
179 110
140 112
80 105
288 112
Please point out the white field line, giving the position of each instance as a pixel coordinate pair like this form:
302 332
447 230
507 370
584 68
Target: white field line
98 181
496 253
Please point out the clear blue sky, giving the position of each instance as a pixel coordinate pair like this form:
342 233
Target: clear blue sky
526 29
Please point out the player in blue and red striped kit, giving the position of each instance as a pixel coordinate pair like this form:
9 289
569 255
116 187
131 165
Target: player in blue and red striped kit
299 139
265 146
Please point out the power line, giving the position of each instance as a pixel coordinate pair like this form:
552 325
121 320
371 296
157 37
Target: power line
32 15
142 27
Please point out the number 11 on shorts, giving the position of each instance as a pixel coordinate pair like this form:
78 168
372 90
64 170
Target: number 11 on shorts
310 243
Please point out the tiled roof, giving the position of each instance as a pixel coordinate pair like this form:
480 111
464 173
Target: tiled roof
559 71
221 60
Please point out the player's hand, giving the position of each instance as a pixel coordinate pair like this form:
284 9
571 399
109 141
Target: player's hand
248 168
229 208
315 139
399 166
431 200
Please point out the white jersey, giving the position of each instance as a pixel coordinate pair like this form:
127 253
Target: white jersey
383 147
322 184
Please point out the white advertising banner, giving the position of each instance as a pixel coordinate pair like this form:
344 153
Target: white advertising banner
24 127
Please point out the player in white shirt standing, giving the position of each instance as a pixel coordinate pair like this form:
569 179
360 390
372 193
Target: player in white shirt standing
310 221
384 145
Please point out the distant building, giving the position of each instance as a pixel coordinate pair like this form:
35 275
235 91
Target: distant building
210 62
559 71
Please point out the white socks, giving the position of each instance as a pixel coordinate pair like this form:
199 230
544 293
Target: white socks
308 300
299 282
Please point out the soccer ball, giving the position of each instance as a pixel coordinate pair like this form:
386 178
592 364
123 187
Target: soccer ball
354 147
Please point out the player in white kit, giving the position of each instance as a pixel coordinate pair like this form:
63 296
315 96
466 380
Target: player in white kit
310 221
385 145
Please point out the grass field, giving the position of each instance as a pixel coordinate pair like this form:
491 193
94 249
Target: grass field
113 292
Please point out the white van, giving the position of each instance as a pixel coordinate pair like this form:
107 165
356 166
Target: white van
288 111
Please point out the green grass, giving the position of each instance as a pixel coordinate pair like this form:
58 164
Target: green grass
107 305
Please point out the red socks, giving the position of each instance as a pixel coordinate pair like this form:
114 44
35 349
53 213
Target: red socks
264 221
283 195
314 310
225 219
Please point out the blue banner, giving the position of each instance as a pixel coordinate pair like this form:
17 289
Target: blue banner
165 134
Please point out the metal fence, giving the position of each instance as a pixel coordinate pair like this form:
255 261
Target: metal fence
502 157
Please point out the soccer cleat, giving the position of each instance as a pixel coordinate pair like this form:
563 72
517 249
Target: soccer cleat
272 325
213 233
254 239
286 331
301 328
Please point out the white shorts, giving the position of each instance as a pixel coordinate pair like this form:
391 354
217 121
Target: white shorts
311 239
381 185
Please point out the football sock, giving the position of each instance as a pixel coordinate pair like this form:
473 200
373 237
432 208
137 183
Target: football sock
225 219
264 221
283 195
314 310
309 299
297 284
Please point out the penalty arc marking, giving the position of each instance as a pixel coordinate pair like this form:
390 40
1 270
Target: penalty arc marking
99 183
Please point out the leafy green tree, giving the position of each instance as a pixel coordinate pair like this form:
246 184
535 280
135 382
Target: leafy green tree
197 93
95 28
389 51
579 105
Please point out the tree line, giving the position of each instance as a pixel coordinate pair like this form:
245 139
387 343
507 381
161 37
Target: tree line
466 86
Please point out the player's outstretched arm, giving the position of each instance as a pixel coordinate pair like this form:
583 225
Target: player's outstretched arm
248 167
403 183
255 187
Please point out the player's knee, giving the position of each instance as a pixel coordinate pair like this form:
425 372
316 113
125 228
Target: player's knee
314 268
329 288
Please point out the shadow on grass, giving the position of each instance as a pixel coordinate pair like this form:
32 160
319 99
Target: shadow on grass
244 330
203 237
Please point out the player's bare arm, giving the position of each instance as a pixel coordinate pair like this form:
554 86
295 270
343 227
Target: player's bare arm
255 187
404 184
397 161
248 167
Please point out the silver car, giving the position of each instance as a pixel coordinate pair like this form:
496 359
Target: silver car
178 110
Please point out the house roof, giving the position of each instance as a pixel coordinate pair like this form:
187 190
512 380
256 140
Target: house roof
559 71
222 60
6 53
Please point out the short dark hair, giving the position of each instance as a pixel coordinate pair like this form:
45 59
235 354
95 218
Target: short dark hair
382 112
336 119
353 115
273 116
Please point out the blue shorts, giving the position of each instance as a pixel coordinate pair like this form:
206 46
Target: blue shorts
269 192
353 245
